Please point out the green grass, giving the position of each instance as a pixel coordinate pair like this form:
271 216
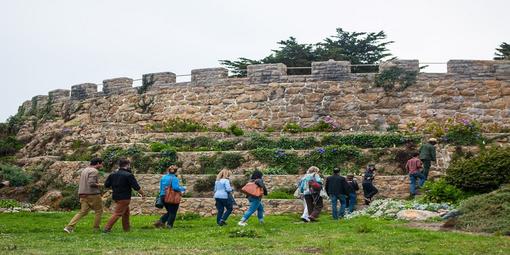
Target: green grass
41 233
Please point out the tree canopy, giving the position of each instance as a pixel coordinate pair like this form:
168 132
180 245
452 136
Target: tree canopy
503 52
356 47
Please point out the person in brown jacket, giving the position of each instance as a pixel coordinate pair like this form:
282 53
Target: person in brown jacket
90 195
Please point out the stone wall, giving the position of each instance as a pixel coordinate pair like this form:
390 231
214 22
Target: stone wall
269 97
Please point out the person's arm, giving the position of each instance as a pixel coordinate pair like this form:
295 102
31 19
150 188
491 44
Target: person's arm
327 186
419 165
433 153
176 186
93 179
228 188
134 185
108 182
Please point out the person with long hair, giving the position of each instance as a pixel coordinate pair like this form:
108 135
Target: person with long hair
223 196
310 187
169 179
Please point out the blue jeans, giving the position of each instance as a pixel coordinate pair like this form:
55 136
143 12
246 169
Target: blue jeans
255 205
334 208
352 202
421 180
221 206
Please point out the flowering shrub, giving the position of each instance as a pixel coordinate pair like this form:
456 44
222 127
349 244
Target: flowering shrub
326 124
459 132
388 208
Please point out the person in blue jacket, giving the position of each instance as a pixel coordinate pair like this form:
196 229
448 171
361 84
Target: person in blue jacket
171 209
223 197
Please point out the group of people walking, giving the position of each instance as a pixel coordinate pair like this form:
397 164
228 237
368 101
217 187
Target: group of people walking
312 189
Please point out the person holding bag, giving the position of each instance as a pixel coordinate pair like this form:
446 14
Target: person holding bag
170 191
311 187
223 196
254 189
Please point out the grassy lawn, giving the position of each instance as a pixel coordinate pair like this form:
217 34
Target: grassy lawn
41 233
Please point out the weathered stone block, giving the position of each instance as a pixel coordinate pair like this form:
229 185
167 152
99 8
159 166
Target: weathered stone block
472 67
331 70
155 80
208 75
117 86
83 91
59 94
266 73
412 65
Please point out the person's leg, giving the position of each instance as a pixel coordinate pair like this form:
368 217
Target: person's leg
172 214
426 168
84 210
164 217
334 209
254 204
220 208
125 218
412 178
366 192
120 209
342 206
309 204
230 207
96 204
260 212
352 202
305 210
421 179
318 204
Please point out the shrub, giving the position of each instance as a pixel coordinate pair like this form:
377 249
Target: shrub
440 191
371 140
235 130
205 184
243 232
274 171
211 164
292 127
288 161
481 173
389 78
168 158
458 132
279 195
329 157
183 125
238 183
9 203
9 145
71 199
15 175
486 213
136 154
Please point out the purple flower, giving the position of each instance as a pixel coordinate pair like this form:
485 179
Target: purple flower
321 150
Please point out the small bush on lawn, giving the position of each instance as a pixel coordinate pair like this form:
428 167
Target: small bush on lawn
482 173
440 191
15 175
486 213
9 203
205 184
243 232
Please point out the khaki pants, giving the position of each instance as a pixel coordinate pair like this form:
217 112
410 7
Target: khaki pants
121 210
89 202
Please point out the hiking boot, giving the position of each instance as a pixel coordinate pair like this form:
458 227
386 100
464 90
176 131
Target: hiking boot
68 230
169 227
242 224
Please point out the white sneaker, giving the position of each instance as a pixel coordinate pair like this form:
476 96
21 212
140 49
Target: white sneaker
68 230
242 224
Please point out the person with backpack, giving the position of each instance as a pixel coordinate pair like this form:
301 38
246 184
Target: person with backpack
413 167
167 182
122 182
351 188
300 195
311 187
90 195
257 190
369 190
223 196
336 188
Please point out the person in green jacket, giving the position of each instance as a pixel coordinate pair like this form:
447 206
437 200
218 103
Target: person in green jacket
428 155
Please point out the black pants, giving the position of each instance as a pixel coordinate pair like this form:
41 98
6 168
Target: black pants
224 207
314 204
171 213
369 190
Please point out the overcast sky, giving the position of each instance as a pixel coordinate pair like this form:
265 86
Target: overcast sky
46 45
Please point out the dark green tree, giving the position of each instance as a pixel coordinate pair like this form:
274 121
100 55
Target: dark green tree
356 47
503 52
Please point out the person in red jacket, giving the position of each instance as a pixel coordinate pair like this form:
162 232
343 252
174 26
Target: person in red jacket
414 166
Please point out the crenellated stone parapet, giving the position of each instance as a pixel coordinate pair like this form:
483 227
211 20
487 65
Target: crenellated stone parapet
117 86
208 75
83 91
155 80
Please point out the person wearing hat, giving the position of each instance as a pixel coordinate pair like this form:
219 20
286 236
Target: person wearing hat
369 190
428 155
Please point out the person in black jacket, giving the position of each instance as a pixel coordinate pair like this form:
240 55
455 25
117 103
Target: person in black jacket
255 202
122 182
369 190
337 189
352 188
